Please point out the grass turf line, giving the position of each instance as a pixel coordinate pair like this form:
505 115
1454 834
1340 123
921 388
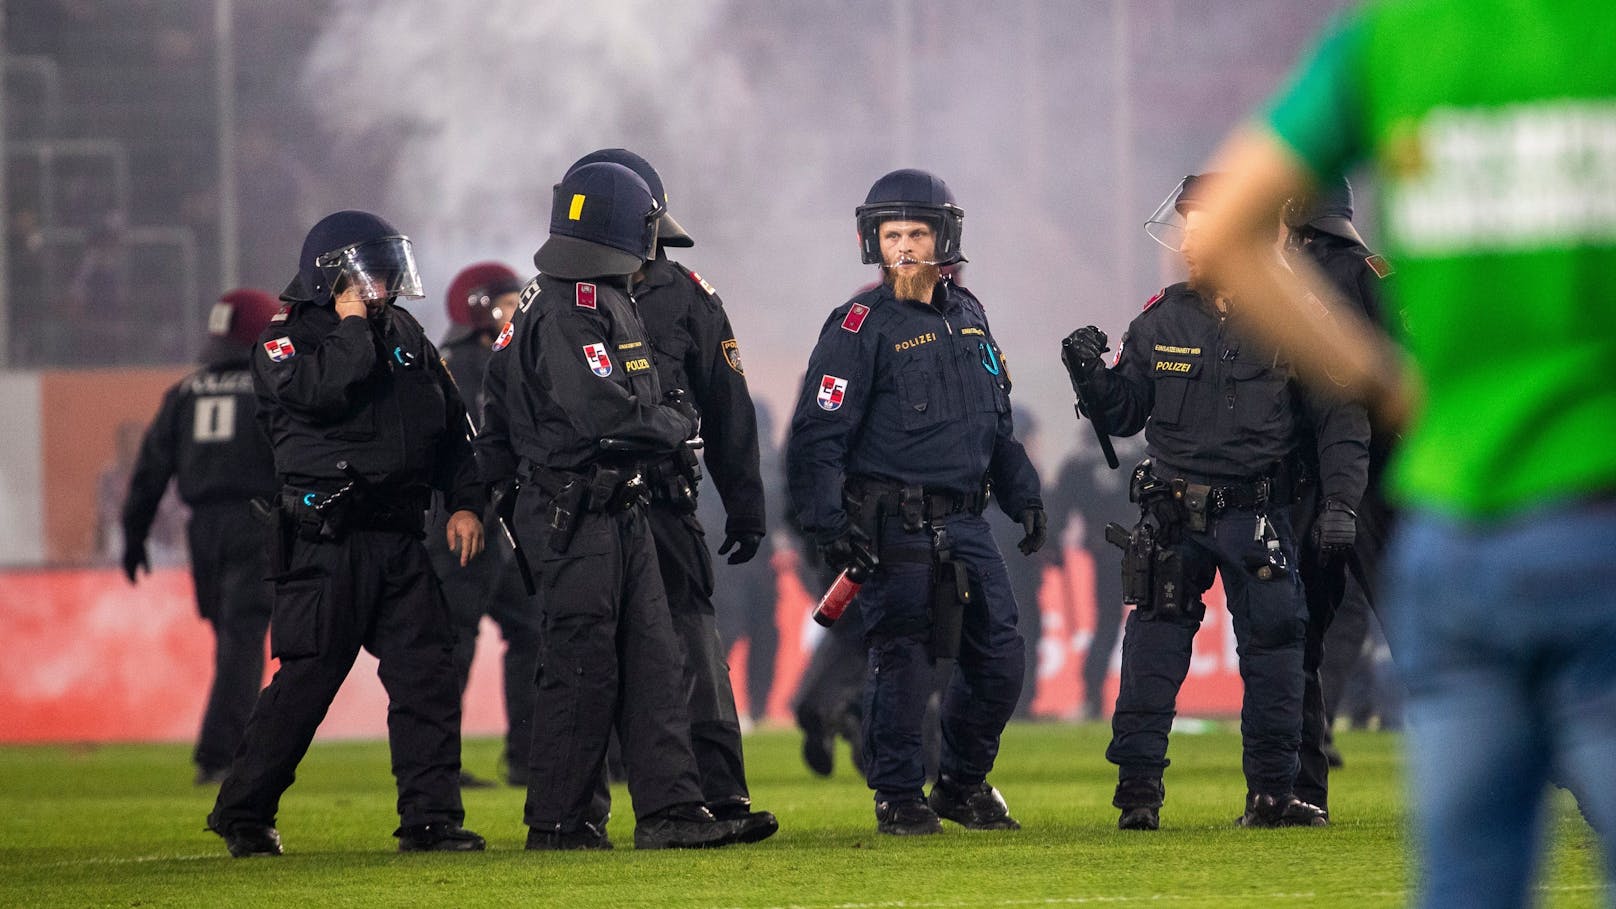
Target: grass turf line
122 826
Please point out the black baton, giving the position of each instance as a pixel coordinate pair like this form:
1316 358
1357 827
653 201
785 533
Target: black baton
1085 401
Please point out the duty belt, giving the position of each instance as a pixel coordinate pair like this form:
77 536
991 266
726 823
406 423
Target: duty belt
934 503
402 510
1255 493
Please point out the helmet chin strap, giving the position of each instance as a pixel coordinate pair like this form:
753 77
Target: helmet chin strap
908 261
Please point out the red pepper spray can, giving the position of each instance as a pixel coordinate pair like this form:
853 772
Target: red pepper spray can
841 592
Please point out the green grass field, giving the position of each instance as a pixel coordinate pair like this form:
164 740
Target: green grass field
122 826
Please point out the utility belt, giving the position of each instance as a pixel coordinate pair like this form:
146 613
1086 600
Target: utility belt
1171 504
328 516
674 480
602 488
870 503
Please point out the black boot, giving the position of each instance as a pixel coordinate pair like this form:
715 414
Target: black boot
440 837
911 817
974 807
245 839
750 826
1268 811
1140 799
589 836
689 826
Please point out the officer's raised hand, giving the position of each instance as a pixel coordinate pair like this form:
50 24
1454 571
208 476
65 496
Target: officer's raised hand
465 534
350 303
1036 525
1084 348
134 559
1336 529
744 544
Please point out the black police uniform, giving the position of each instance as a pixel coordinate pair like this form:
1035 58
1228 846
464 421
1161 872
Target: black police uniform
207 437
1355 273
490 584
573 369
1220 410
370 393
904 394
695 350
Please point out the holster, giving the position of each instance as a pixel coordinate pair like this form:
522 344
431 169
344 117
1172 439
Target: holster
281 531
566 510
950 594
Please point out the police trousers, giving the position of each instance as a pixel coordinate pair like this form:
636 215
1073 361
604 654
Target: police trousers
229 564
715 727
986 683
492 586
609 657
1270 620
371 589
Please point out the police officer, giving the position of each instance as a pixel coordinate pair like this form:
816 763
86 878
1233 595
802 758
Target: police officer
1319 229
1221 418
365 423
481 299
206 436
902 429
575 410
696 351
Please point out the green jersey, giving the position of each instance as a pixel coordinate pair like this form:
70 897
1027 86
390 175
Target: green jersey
1492 125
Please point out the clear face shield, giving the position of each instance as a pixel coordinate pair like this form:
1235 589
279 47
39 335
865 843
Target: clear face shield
1166 224
377 269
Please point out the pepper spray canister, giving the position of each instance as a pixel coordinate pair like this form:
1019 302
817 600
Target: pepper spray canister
841 592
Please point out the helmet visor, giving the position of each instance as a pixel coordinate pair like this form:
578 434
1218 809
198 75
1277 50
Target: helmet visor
377 269
1166 224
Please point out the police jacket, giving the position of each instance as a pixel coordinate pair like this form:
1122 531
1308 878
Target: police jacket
907 393
207 437
571 368
1356 273
1216 402
368 391
696 351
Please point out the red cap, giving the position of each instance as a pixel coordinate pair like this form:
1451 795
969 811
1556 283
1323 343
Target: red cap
241 315
471 292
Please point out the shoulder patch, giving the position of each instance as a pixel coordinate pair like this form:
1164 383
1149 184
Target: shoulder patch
855 318
529 294
1154 300
1379 266
732 355
504 338
599 361
703 282
832 391
584 294
280 349
281 315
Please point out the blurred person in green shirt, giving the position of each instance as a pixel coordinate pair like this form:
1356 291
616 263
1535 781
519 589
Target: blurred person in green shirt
1491 126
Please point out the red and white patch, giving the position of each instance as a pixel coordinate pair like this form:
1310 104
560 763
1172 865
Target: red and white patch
505 335
704 285
832 391
280 349
854 321
1379 266
1154 300
585 295
281 315
599 362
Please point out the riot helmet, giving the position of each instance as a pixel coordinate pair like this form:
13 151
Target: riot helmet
474 292
359 250
911 195
1328 209
669 233
603 223
1166 224
239 317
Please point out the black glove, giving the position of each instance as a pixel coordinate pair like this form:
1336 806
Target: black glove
1336 528
744 544
1036 524
678 400
502 499
1086 345
134 559
848 549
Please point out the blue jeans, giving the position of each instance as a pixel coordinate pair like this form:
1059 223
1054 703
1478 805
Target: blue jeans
1507 640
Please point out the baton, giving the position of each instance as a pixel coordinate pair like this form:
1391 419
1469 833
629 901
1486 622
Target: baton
1085 401
522 566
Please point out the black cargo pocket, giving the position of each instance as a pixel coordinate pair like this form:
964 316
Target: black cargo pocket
704 556
1260 395
294 625
1168 408
920 398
